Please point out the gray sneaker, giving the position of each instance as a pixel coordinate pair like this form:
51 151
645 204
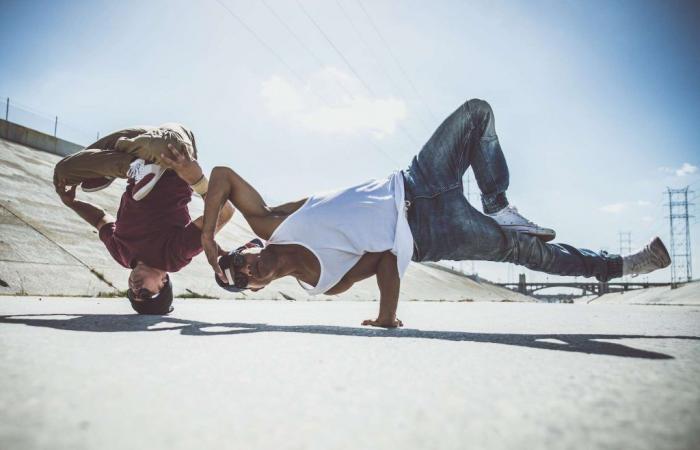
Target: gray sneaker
652 257
510 219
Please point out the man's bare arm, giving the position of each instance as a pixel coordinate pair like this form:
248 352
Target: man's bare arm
289 207
389 285
225 184
89 213
224 217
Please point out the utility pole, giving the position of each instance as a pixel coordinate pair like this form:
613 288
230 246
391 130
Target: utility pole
679 222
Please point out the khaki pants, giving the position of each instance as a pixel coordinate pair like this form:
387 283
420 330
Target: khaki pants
112 155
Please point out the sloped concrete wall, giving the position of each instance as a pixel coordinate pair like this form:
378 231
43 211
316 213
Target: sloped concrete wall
686 294
46 249
36 139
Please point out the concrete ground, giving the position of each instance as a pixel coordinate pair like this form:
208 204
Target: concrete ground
86 374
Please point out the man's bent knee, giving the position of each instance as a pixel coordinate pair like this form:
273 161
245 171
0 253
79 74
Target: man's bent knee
150 145
478 106
61 170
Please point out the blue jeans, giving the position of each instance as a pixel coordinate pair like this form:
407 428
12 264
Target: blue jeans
446 226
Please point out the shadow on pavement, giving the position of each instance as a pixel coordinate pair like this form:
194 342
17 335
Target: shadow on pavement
105 323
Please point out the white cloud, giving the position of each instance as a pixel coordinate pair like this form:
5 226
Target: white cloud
685 169
342 107
281 96
616 208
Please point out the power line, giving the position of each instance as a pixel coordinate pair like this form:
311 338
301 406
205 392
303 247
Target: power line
350 66
262 42
321 65
296 37
396 61
378 60
299 78
337 51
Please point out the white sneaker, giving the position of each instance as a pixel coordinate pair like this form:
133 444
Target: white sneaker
145 176
652 257
510 219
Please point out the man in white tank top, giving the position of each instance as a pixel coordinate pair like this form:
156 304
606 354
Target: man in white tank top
330 241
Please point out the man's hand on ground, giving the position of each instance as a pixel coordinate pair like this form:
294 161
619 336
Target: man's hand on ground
383 323
187 169
213 251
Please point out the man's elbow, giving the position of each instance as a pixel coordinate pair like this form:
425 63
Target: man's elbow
219 172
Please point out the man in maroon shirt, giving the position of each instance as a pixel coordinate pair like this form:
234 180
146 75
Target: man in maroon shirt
153 233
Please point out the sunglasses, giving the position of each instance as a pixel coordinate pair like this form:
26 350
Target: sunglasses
239 279
232 265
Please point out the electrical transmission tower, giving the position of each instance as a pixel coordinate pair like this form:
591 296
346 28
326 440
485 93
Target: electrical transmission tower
625 245
679 219
469 199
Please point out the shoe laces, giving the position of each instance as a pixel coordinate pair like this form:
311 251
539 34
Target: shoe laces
514 210
137 170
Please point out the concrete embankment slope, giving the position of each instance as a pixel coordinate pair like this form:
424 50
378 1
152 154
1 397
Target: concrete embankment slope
46 249
686 294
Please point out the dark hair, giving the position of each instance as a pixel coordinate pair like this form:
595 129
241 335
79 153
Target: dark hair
159 305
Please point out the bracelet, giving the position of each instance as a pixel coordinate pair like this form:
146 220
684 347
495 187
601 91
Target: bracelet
202 186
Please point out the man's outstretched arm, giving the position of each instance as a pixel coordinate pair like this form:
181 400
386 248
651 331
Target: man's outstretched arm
225 184
89 213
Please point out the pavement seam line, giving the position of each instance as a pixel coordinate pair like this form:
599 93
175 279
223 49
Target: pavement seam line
36 228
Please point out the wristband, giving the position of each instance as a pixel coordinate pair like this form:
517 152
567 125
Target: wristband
202 186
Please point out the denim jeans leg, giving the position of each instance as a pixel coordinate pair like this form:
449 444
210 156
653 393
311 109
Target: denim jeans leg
487 159
448 227
467 137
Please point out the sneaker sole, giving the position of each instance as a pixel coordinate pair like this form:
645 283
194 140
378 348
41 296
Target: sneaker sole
98 188
659 249
143 191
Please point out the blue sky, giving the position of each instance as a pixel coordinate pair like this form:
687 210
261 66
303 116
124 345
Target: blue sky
597 103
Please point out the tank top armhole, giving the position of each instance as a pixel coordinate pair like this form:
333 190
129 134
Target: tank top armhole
320 264
280 226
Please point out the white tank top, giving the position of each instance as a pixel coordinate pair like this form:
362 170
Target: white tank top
339 227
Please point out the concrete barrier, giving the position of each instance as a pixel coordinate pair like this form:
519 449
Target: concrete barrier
36 139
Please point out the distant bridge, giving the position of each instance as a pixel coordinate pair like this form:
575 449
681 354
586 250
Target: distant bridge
591 287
